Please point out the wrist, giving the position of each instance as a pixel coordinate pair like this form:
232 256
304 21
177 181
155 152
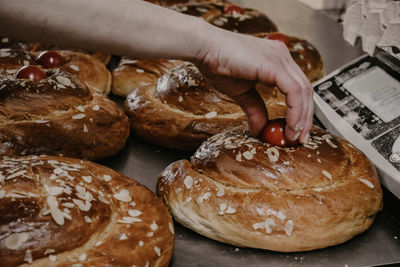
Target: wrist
206 38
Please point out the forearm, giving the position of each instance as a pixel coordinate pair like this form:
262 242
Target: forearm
123 27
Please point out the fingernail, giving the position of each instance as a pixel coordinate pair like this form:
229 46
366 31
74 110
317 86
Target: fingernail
305 138
298 127
296 136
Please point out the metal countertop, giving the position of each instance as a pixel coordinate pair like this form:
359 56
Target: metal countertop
144 162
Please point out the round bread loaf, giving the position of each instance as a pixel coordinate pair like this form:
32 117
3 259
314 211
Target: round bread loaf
56 115
248 21
59 211
241 191
182 111
89 69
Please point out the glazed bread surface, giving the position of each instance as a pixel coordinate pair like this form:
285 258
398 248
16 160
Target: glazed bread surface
58 115
58 211
241 191
135 73
182 110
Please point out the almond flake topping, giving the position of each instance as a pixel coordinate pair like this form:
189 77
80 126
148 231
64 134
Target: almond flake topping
329 141
366 182
239 157
141 243
215 153
188 182
123 237
134 213
204 197
171 228
49 251
63 80
248 155
83 257
78 116
107 177
87 219
87 179
96 108
273 154
81 108
267 224
56 213
15 240
74 67
222 208
211 115
289 227
154 226
129 220
40 121
158 251
123 196
327 174
28 256
55 190
220 192
180 99
53 258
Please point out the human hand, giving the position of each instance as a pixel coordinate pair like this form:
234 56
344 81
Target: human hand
235 62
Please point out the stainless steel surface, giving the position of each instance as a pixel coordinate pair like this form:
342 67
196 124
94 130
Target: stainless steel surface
379 245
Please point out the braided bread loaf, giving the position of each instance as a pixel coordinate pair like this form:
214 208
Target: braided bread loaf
182 110
69 212
88 68
55 115
241 191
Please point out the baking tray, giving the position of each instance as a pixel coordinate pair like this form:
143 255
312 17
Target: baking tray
380 245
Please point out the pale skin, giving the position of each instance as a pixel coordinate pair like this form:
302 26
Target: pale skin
233 62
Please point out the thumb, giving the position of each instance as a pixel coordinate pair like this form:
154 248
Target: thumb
254 108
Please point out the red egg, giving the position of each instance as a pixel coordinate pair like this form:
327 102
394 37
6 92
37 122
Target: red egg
50 59
280 37
31 72
274 133
233 9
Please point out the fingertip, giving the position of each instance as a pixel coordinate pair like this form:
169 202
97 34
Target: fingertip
291 134
305 137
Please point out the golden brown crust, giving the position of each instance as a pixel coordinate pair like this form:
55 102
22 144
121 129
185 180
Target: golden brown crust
251 21
182 110
56 115
241 191
88 68
134 73
39 47
64 211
